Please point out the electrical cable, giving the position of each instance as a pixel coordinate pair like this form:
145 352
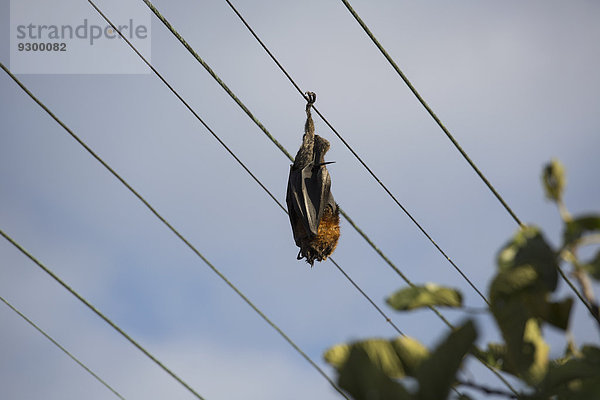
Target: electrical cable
270 136
234 97
186 104
167 24
363 236
179 235
98 313
431 113
452 139
51 339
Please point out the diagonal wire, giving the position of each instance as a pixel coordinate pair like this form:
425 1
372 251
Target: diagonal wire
81 364
366 296
179 235
367 239
587 304
216 77
354 225
449 135
430 111
210 265
186 104
97 312
261 126
385 258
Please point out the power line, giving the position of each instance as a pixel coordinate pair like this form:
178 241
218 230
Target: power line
81 364
388 261
191 50
590 307
179 235
379 310
352 223
216 77
186 104
452 139
430 111
345 143
97 312
270 136
182 238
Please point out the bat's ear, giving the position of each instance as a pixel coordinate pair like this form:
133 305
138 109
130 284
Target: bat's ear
324 163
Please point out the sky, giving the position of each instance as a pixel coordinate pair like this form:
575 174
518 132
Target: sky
515 82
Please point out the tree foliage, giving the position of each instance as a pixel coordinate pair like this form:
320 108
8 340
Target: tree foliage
522 297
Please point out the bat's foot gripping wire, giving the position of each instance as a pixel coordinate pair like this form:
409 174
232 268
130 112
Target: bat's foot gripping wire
311 97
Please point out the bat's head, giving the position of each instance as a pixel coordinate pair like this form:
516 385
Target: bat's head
320 247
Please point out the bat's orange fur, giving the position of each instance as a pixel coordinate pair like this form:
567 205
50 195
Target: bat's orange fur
322 245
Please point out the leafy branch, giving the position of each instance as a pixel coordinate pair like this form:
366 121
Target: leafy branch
522 298
579 232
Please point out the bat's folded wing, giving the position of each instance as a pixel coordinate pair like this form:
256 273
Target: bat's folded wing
308 193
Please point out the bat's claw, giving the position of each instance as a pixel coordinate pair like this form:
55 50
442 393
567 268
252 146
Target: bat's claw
311 97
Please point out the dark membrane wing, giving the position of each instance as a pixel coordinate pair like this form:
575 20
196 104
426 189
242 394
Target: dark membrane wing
296 206
307 193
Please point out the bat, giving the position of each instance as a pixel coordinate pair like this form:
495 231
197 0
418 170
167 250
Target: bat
313 212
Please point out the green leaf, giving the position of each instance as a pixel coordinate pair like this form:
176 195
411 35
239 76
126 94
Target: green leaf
517 318
578 378
528 247
337 355
517 315
578 227
365 380
423 296
534 355
410 352
592 267
507 294
521 289
437 374
511 317
558 313
495 356
520 292
554 180
380 352
508 283
535 371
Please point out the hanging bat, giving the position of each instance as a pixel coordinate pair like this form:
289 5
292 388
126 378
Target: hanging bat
314 215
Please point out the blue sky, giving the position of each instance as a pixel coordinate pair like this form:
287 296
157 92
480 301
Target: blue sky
516 83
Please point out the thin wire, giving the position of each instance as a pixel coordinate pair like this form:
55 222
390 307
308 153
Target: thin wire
430 111
81 364
289 156
206 261
176 232
447 132
97 312
464 276
385 258
216 77
579 295
261 126
387 319
367 239
159 75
